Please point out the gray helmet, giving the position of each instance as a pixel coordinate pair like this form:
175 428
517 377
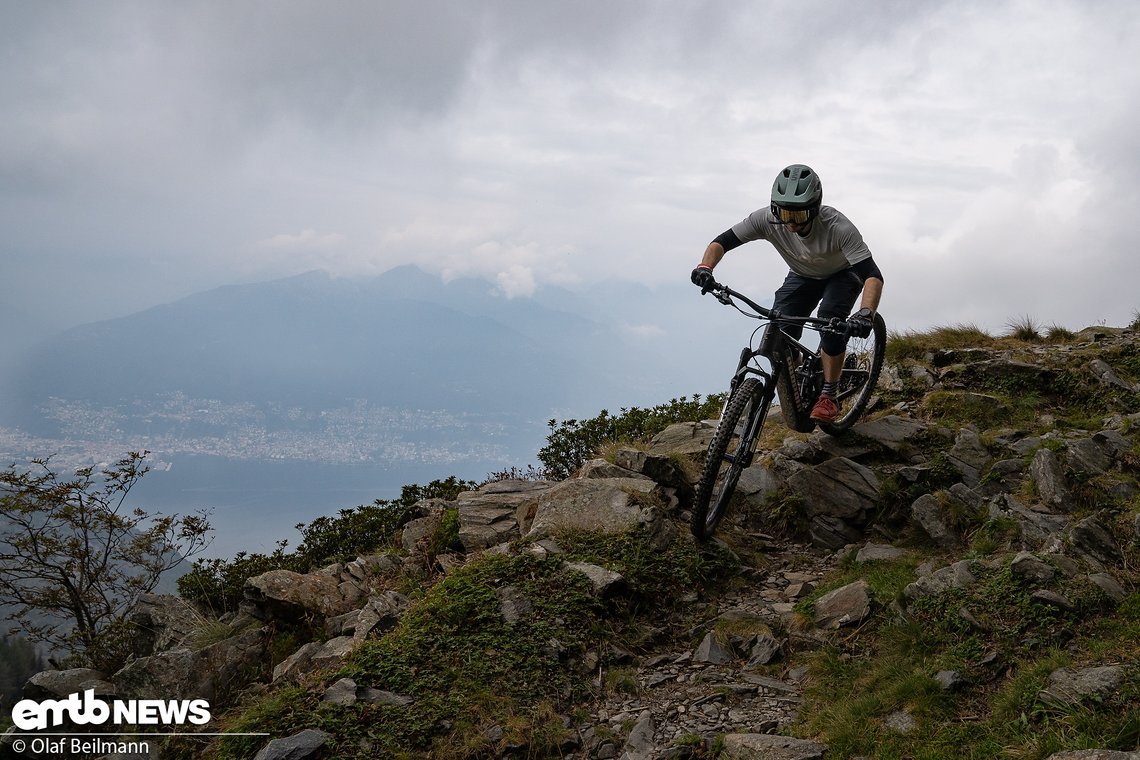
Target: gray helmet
797 187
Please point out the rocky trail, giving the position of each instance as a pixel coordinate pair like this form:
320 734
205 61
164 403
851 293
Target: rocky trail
742 684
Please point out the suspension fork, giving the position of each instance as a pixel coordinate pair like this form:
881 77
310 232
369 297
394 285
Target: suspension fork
755 421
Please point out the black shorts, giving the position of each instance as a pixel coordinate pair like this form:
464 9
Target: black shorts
834 296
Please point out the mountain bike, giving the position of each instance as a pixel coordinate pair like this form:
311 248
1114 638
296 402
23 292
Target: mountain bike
796 375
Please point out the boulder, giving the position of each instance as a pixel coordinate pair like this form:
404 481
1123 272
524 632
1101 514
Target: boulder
891 432
940 515
1031 568
711 651
602 469
162 621
1092 541
613 505
1037 529
873 552
418 532
837 488
209 673
639 744
1070 686
1107 376
766 477
490 516
298 663
1087 457
657 467
848 605
957 575
289 596
307 744
1109 585
1003 476
684 438
969 456
331 653
833 532
59 684
381 614
1049 478
931 513
605 582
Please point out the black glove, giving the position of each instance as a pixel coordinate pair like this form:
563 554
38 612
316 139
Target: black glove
702 277
860 324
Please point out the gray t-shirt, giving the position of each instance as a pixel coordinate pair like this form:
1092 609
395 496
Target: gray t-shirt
833 245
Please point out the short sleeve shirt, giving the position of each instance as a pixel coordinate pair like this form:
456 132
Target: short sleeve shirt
834 243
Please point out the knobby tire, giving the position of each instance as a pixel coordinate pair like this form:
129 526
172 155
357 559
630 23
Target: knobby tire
727 455
864 362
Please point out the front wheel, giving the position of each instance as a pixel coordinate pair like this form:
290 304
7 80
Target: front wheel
729 453
861 368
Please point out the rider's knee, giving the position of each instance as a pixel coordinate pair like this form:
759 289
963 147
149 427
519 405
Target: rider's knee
833 345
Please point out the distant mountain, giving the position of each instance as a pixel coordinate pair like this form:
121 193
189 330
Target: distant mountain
404 339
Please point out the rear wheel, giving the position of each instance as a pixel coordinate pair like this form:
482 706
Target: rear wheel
729 453
861 368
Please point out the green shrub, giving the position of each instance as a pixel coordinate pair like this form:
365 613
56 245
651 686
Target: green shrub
217 583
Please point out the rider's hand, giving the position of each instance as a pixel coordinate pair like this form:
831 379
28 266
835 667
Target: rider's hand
860 324
702 277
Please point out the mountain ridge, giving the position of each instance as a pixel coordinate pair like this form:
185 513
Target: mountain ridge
404 338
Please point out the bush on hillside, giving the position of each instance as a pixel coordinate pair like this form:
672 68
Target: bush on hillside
217 583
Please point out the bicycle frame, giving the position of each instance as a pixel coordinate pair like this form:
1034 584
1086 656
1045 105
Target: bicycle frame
773 344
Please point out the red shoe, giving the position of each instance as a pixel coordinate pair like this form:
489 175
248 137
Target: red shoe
825 409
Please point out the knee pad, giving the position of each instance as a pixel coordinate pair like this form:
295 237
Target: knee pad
832 345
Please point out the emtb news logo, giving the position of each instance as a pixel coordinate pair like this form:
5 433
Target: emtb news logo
30 715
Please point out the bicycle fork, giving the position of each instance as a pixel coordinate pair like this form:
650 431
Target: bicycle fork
751 424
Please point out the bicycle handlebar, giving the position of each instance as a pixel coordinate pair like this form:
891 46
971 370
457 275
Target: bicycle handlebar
725 294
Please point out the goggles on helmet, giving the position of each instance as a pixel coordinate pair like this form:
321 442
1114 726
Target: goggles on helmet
793 215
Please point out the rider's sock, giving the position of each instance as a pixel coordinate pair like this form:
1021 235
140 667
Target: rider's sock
828 390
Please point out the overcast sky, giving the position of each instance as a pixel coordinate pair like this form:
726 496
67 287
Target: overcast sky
988 151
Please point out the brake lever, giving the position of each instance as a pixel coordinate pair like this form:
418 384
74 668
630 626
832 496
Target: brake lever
838 326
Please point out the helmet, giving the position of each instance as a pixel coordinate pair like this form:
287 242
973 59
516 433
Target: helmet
796 195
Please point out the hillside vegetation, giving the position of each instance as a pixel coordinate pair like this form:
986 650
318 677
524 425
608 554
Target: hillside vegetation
963 584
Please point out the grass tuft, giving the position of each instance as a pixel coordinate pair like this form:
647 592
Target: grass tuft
1024 329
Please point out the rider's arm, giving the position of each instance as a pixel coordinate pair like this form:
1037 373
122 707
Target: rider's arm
872 291
723 243
868 272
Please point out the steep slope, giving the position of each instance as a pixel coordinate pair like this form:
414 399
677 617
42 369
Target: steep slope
975 595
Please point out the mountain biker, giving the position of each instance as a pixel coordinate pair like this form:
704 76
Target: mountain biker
829 265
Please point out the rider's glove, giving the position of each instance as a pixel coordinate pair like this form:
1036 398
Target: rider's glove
702 277
860 323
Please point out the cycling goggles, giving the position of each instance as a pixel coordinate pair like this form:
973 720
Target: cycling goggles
793 215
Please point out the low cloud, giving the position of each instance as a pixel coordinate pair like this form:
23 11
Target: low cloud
516 282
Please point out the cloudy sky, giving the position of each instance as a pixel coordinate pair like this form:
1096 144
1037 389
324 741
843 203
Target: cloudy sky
987 150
